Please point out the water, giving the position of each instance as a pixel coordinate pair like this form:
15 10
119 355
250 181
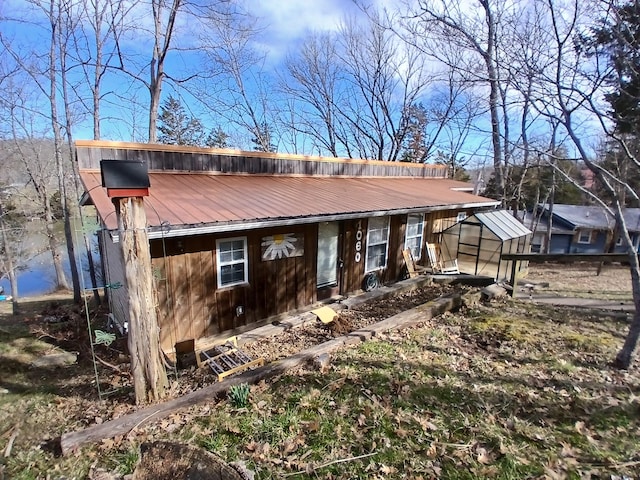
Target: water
37 276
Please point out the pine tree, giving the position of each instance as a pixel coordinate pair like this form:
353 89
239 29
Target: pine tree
262 140
415 143
619 43
217 138
178 128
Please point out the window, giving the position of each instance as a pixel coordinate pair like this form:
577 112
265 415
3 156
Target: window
584 236
461 216
619 241
232 261
377 241
413 236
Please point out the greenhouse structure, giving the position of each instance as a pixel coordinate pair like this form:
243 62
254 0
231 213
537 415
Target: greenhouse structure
479 241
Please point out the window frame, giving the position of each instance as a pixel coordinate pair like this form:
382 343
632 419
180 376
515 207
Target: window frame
244 261
369 245
580 239
420 235
461 216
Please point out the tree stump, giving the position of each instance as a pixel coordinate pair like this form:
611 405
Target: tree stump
176 461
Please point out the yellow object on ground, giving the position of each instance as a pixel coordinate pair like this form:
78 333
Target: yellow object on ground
325 314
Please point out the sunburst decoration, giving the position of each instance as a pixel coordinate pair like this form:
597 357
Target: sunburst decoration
283 245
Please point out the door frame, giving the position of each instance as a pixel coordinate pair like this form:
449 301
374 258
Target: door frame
328 291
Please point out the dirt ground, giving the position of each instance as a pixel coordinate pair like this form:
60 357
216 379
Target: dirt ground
78 405
582 279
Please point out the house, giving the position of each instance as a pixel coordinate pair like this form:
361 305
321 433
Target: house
580 229
238 238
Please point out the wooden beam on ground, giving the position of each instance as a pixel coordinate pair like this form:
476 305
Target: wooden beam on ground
70 442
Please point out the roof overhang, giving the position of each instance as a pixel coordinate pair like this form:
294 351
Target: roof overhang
170 231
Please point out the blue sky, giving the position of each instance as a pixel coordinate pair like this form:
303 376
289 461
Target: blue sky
283 23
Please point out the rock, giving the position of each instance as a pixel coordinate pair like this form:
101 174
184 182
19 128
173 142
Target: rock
61 359
493 291
322 362
102 474
242 469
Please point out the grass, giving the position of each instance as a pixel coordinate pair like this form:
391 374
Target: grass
509 392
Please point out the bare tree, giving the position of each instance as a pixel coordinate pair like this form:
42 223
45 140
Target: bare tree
430 24
570 93
39 164
355 88
242 97
384 77
312 81
94 47
164 19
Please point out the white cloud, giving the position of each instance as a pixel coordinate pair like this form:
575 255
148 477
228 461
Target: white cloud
287 21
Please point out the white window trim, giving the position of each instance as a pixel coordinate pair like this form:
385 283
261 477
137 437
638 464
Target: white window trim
619 241
386 250
220 264
461 216
420 235
582 232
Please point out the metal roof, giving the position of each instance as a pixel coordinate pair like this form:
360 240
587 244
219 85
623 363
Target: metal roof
541 225
193 203
594 217
502 224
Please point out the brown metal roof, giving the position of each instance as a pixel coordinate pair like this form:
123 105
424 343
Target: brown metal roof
205 203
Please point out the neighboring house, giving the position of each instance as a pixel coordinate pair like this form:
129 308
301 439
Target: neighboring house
580 229
238 238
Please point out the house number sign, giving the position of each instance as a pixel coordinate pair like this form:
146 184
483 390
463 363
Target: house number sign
359 235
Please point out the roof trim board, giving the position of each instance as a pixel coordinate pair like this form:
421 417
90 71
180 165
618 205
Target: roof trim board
166 231
241 153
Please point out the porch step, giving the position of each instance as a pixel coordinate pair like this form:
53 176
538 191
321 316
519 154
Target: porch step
227 359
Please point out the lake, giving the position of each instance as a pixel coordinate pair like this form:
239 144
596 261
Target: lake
37 275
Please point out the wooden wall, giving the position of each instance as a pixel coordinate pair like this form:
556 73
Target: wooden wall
439 221
353 271
192 307
173 158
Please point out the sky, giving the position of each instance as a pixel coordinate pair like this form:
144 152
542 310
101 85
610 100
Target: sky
284 24
288 21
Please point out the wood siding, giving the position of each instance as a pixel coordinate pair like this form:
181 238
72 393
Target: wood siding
186 159
353 270
438 221
192 307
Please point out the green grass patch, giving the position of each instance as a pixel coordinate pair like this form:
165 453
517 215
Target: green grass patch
517 391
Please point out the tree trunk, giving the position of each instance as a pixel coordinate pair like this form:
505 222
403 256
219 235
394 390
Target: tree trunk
147 366
61 278
625 355
494 96
13 281
75 274
57 141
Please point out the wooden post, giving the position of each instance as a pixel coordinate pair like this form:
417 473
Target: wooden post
514 276
147 365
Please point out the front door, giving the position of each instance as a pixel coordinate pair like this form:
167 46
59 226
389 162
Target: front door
328 268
